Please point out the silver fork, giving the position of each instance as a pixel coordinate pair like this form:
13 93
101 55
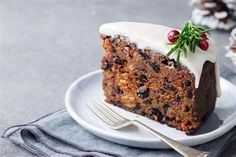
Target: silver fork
116 121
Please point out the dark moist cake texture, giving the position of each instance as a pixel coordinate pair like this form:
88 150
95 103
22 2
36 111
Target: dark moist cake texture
152 85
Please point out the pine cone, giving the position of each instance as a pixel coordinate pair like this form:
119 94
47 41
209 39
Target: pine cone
215 13
232 44
231 48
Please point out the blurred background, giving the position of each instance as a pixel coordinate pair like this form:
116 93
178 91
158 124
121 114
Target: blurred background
46 45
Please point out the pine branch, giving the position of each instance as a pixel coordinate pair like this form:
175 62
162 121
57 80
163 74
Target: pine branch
188 39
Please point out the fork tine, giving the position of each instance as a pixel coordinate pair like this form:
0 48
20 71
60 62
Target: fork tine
100 116
110 111
106 112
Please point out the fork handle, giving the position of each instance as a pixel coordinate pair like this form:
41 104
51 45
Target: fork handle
182 149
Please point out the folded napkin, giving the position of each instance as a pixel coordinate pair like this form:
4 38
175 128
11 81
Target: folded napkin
58 135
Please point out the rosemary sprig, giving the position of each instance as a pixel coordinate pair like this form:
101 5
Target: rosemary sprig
188 39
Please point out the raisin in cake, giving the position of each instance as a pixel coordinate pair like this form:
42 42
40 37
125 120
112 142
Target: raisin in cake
139 77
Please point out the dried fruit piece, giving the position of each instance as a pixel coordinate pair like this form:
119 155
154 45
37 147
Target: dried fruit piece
155 66
143 55
187 83
106 65
117 60
143 92
142 78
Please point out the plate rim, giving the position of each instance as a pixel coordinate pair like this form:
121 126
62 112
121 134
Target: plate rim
211 135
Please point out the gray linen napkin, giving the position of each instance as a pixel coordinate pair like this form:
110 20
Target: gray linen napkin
58 135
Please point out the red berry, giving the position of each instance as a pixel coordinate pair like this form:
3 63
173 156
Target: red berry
204 36
203 45
173 36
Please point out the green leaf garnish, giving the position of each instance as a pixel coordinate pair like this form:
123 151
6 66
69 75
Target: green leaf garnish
188 39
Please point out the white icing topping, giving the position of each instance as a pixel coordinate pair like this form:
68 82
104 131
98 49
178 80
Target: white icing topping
155 37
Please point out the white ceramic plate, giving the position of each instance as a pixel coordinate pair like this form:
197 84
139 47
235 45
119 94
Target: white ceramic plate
89 87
